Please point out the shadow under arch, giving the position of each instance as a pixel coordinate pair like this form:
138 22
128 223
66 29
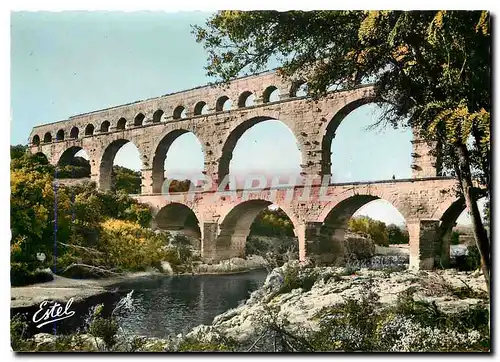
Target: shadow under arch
160 155
68 155
79 166
233 138
41 158
236 224
179 217
329 246
448 221
106 164
332 126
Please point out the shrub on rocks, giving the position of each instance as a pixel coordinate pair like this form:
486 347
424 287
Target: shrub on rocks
359 247
469 261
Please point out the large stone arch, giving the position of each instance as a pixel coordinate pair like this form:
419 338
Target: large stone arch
41 157
234 226
179 217
67 155
238 130
448 213
333 122
160 155
106 161
328 244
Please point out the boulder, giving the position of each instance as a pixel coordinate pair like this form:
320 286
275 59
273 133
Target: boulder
87 342
44 340
359 247
166 268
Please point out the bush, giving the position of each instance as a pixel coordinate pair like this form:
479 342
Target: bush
297 277
358 247
279 248
470 261
127 246
122 246
197 346
410 326
81 210
179 254
21 274
455 238
18 328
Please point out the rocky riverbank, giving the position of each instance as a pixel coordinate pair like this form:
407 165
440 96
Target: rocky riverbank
308 308
312 290
61 289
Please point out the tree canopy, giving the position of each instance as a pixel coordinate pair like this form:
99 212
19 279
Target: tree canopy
430 70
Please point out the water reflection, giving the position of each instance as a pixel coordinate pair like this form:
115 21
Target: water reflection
173 305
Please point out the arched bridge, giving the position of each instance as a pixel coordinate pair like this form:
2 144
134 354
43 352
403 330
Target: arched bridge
224 221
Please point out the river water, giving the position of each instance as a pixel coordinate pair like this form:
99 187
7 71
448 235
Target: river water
173 305
164 305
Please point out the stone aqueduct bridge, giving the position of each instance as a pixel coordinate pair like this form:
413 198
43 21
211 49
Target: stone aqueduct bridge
427 201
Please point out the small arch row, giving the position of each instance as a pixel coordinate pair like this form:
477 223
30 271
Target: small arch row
223 103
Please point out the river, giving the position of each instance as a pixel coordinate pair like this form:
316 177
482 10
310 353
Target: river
166 305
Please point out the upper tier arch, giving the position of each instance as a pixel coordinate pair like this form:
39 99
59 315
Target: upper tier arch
313 123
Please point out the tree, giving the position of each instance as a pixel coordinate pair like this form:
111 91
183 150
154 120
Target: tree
430 70
17 151
39 205
126 180
272 222
79 167
376 229
396 235
179 186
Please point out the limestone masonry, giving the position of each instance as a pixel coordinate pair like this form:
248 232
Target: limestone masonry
427 201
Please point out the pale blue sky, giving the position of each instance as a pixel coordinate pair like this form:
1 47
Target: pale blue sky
68 63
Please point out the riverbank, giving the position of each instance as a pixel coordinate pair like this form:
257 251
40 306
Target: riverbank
427 311
61 289
304 308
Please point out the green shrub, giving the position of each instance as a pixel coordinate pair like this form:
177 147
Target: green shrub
297 277
196 346
470 261
455 238
18 328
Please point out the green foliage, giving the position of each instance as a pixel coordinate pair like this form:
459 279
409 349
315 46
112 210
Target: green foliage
396 235
179 186
455 238
278 247
105 328
81 217
77 168
466 291
365 225
352 312
18 328
411 325
18 151
179 254
428 314
126 180
432 67
272 222
296 277
470 261
121 246
197 346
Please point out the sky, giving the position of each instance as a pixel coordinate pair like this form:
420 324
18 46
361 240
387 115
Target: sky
67 63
